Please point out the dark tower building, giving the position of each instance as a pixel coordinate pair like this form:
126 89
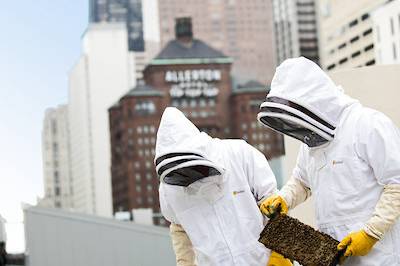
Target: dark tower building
128 11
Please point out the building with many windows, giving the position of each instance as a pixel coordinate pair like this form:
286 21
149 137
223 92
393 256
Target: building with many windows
55 149
295 28
242 30
196 78
346 33
386 25
100 77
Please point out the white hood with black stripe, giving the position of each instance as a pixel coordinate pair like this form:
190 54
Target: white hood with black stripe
180 145
302 93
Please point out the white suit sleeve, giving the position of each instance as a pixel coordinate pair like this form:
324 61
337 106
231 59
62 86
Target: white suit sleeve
166 209
379 146
260 176
181 243
297 189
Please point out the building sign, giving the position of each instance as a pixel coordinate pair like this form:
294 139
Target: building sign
193 83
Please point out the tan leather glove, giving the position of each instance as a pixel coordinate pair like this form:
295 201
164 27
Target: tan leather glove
182 245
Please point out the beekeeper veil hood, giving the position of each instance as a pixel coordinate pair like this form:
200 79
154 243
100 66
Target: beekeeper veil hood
304 103
182 151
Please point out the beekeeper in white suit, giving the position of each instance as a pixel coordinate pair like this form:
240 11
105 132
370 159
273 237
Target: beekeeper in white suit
209 191
350 162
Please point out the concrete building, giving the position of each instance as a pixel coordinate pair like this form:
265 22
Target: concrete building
55 152
99 78
242 30
60 238
196 78
386 25
295 28
3 234
126 11
346 39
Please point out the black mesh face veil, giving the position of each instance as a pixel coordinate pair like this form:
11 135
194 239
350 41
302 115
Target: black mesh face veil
295 121
188 175
305 135
183 169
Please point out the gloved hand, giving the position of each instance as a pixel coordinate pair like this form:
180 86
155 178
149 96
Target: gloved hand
277 259
273 204
357 244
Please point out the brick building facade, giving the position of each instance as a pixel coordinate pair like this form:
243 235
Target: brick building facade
195 78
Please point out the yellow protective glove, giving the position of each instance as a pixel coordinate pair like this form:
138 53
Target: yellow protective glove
277 259
357 244
273 204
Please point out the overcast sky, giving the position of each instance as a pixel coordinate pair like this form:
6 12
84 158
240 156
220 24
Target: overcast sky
40 41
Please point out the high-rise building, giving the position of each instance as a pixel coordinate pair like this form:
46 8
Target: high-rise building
346 33
285 29
386 28
56 169
242 30
196 78
295 28
99 78
126 11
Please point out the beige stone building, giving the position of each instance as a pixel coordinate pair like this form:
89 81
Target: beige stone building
240 29
346 38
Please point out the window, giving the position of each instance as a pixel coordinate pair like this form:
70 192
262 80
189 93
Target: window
353 23
140 141
138 188
394 51
244 126
369 47
152 129
367 32
149 187
148 164
343 45
56 177
137 165
355 54
392 25
138 177
342 61
370 63
139 130
150 200
57 191
148 176
364 17
331 66
145 129
354 39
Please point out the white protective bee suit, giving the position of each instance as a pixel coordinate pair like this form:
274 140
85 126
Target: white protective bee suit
216 218
353 170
